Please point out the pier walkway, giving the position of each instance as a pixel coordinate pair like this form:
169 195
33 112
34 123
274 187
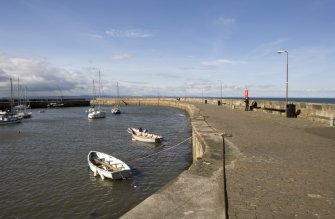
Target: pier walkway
276 167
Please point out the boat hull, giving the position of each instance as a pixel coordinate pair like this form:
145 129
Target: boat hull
123 171
6 119
96 115
144 136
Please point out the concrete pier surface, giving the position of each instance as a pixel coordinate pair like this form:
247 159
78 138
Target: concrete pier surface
276 167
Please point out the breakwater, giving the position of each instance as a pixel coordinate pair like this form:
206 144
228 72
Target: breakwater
42 103
318 112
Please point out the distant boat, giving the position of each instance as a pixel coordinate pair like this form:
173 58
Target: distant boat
58 102
116 109
92 108
107 166
144 135
97 113
21 110
24 114
55 105
8 118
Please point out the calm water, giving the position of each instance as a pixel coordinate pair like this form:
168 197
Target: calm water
44 171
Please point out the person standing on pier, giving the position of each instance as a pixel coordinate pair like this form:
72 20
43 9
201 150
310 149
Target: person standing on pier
246 101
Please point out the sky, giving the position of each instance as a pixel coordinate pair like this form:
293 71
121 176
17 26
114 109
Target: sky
168 47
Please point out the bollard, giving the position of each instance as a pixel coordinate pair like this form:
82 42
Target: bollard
331 121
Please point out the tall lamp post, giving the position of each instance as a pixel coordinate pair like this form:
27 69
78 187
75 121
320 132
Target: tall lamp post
280 52
221 90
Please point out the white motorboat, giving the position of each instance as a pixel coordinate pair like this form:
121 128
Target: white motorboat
144 135
96 114
107 166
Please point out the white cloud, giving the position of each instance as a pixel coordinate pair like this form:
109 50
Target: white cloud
225 21
122 56
40 76
131 33
219 62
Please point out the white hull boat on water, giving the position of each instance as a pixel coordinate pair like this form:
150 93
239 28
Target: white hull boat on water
7 118
107 166
116 110
144 135
96 114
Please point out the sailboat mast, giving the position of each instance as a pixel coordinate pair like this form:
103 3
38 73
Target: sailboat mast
93 91
99 89
11 94
18 91
117 87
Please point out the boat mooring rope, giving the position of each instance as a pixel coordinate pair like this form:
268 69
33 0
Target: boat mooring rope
169 148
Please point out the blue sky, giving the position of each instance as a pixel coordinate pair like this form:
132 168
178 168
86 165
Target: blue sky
169 48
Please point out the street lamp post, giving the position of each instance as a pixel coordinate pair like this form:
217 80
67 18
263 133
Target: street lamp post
221 90
280 52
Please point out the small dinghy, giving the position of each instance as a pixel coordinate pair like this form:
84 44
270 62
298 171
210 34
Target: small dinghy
144 135
107 166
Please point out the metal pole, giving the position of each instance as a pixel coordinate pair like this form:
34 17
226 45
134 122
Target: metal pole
220 90
286 77
280 52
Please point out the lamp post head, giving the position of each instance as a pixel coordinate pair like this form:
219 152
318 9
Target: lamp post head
281 51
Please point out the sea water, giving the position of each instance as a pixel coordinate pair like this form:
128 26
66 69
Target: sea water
44 168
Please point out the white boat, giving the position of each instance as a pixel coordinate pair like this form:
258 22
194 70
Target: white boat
107 166
96 114
8 118
21 110
92 107
24 114
144 135
116 110
55 105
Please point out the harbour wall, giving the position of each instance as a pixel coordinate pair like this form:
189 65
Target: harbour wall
318 112
198 192
42 103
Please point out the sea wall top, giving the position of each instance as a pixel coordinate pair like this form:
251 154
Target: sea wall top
319 112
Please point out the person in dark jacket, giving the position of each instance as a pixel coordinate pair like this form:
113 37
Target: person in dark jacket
246 101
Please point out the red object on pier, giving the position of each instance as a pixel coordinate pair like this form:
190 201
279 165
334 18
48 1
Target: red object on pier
246 93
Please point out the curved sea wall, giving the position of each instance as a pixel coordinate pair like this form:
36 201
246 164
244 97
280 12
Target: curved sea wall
197 192
318 112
